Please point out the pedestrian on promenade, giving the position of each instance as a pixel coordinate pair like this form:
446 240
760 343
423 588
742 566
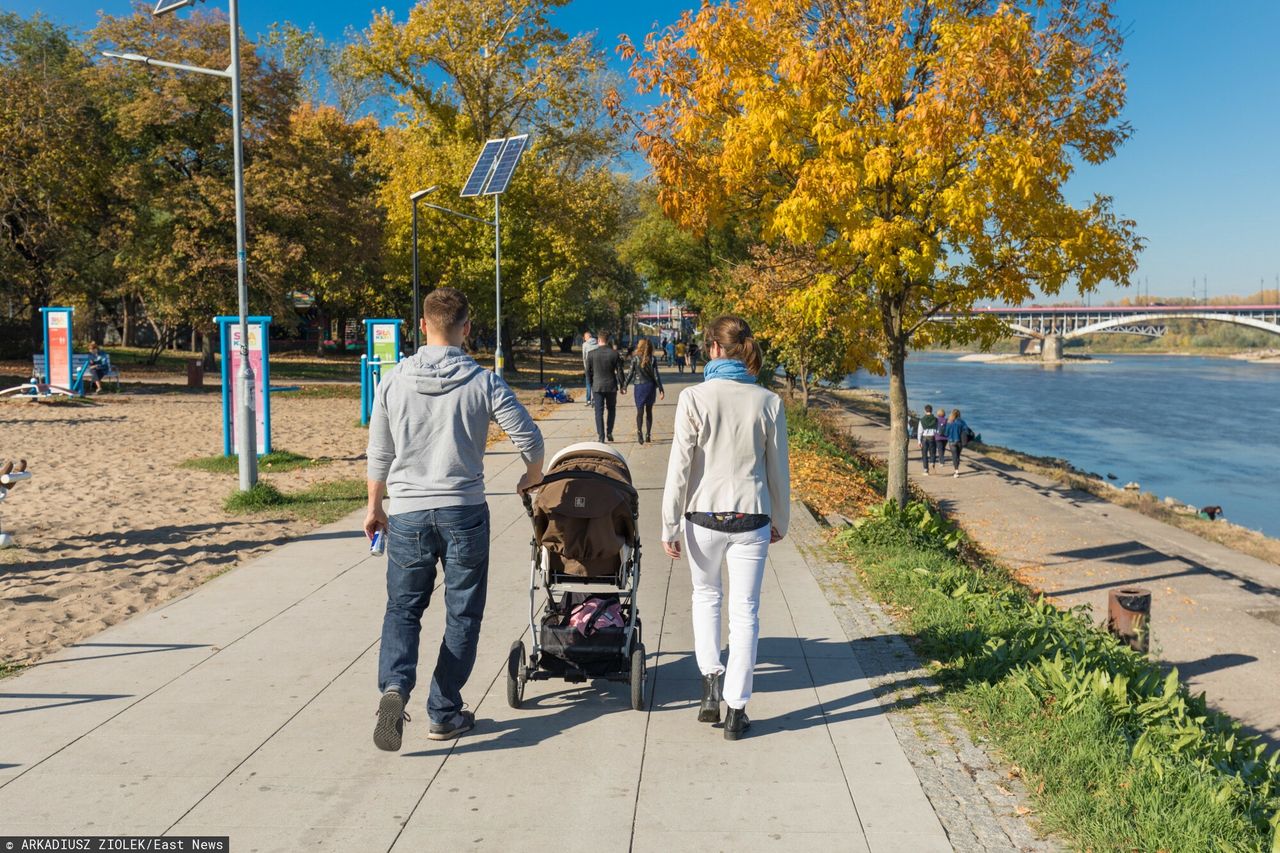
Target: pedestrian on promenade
588 344
645 377
427 436
728 477
680 351
927 430
940 437
604 376
958 437
670 352
693 356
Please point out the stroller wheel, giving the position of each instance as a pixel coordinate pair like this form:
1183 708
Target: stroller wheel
637 677
516 674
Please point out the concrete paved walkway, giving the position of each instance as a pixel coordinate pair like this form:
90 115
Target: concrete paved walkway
1215 611
246 709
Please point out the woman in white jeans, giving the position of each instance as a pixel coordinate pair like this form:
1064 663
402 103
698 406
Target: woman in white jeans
729 491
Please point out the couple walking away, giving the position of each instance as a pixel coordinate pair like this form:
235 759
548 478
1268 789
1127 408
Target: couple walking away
727 478
935 432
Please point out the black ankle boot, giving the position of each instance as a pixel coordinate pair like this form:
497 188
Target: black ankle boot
709 710
639 437
735 723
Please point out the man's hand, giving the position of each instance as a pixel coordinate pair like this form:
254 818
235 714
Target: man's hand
531 475
774 535
375 519
672 549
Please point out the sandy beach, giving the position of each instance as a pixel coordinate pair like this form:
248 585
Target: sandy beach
110 525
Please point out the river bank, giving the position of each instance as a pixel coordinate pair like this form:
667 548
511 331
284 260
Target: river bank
1167 509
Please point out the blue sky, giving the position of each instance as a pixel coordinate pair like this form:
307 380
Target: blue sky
1201 175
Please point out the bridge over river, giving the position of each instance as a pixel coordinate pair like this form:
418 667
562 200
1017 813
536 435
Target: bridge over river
1051 327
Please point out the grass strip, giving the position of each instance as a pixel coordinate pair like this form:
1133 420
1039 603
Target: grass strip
322 502
273 462
1118 755
8 668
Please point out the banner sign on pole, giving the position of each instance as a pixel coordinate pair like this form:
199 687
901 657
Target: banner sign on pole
57 346
260 364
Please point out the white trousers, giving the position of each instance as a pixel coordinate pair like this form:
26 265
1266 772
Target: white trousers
745 554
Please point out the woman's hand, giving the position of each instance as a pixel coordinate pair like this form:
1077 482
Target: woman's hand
774 535
672 549
662 395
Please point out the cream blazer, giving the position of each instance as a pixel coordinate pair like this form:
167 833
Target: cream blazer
729 455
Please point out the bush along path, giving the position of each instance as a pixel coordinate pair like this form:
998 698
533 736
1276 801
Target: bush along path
1114 751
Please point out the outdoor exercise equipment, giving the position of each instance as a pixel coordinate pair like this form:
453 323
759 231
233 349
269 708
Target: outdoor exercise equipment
259 361
56 373
382 349
11 474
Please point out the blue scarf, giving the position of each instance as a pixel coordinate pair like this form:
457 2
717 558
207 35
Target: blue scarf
727 368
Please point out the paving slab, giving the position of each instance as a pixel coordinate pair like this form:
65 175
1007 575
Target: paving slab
246 708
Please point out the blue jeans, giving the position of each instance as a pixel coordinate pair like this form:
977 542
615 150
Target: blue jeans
458 537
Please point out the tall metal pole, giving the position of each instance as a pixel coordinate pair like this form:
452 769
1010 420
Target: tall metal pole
497 281
246 421
417 335
542 335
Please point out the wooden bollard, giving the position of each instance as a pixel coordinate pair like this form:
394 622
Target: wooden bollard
1129 617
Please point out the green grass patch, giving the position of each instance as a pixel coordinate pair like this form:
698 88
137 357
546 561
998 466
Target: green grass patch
322 503
330 391
270 463
8 668
1119 756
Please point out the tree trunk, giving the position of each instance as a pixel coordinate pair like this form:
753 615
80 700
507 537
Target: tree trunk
206 352
804 388
898 438
126 334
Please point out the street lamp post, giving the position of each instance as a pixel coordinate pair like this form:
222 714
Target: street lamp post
417 304
492 223
246 421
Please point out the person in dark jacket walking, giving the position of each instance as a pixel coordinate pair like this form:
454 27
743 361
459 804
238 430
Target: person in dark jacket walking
604 375
928 429
645 377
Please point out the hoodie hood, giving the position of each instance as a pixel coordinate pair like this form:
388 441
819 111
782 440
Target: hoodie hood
435 370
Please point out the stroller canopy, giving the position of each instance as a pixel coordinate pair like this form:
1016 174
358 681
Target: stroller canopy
586 510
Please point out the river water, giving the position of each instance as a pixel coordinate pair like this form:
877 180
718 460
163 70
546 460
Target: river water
1203 430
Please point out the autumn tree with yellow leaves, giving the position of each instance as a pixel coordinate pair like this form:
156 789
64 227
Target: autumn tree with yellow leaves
919 149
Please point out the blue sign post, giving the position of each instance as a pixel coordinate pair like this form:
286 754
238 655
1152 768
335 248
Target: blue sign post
382 349
259 360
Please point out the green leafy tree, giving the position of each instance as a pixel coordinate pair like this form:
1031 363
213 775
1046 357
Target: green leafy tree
55 160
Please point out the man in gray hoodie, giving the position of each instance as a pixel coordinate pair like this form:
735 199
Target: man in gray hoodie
427 436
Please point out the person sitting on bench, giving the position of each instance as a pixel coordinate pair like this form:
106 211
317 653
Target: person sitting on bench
99 366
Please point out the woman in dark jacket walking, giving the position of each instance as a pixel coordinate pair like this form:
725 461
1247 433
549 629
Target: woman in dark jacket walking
645 376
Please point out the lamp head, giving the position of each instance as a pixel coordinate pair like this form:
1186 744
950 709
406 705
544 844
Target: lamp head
164 7
420 193
128 57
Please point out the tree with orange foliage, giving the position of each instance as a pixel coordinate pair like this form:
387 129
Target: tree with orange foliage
919 148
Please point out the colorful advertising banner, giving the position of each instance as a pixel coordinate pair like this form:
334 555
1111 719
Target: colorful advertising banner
259 363
57 346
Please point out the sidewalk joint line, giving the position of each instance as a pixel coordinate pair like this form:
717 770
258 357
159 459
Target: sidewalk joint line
648 714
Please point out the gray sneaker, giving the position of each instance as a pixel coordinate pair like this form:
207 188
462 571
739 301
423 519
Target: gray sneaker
389 729
462 722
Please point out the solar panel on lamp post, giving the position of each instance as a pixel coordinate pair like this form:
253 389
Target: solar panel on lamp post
490 176
246 421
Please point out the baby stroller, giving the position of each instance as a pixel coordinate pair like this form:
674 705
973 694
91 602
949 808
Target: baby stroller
586 555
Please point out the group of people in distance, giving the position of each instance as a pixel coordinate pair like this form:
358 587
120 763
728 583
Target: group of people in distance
936 432
725 500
